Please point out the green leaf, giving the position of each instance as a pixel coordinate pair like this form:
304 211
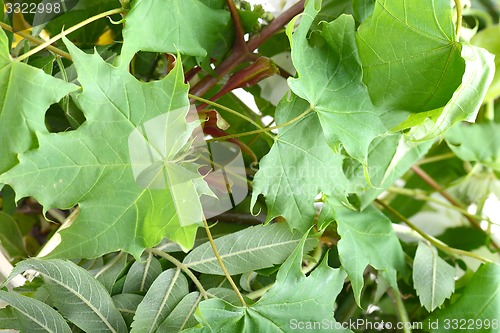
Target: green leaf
433 278
367 238
141 275
127 305
479 303
23 103
476 143
182 316
330 79
112 171
418 72
488 39
465 102
362 9
293 298
11 238
33 315
165 293
186 26
247 250
299 166
111 270
76 294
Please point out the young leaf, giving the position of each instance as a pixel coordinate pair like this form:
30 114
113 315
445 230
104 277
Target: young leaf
10 236
479 303
433 278
124 199
33 315
247 250
411 59
76 294
293 298
127 305
182 316
186 26
367 238
141 275
25 94
330 79
299 166
165 293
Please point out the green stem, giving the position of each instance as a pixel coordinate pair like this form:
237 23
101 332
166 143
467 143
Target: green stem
70 30
489 113
225 108
436 242
221 263
400 307
458 7
300 116
183 267
35 40
436 158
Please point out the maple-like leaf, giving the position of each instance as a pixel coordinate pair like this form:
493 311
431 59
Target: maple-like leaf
117 165
26 93
330 79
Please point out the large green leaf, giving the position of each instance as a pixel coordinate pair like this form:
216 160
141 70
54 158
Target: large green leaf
488 39
186 26
433 278
367 238
247 250
292 301
299 166
330 79
165 293
479 304
476 143
116 166
25 94
411 59
33 315
76 294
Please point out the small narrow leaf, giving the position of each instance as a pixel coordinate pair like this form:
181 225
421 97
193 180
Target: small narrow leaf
10 236
247 250
111 270
182 317
76 294
433 278
127 305
141 275
165 293
33 315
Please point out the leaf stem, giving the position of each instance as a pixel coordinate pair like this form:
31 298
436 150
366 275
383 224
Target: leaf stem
458 7
221 263
225 108
70 30
436 242
268 129
35 40
238 26
432 183
403 314
183 267
436 158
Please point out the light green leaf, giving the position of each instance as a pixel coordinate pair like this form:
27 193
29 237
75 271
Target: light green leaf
330 79
293 298
418 72
367 238
488 39
141 275
182 316
116 165
113 266
25 94
433 278
476 143
479 303
247 250
127 305
299 166
186 26
165 293
465 102
33 315
76 294
11 238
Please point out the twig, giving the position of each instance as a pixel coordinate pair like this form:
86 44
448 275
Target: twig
35 40
221 263
238 26
400 307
